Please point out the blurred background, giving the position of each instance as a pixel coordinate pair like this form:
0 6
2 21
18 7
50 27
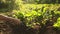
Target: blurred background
40 16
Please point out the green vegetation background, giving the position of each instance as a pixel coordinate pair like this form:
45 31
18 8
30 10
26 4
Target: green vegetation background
33 12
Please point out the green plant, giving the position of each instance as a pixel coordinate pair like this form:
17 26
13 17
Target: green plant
57 24
37 14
